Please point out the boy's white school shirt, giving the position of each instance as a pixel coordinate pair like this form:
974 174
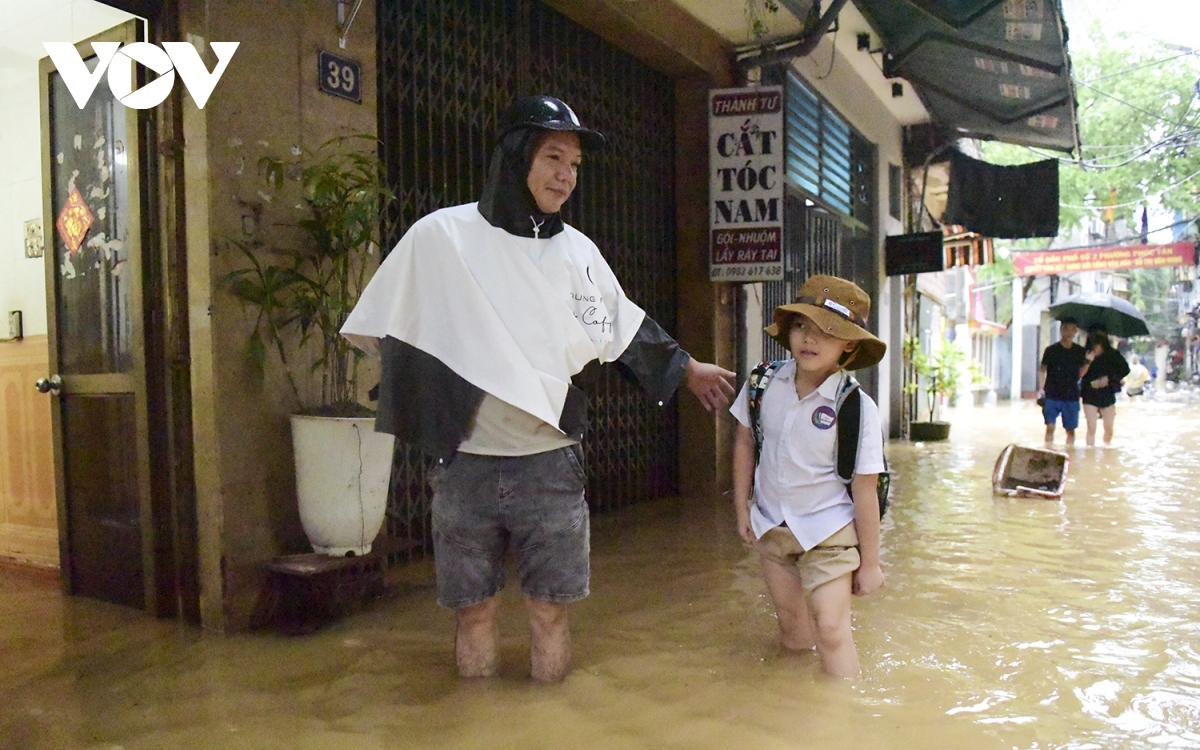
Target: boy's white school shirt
796 479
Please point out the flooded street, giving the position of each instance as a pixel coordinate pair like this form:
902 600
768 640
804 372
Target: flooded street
1004 623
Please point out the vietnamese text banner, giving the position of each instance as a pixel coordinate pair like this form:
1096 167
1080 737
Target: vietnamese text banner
1110 258
745 212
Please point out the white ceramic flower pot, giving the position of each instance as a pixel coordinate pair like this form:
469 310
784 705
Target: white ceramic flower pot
342 471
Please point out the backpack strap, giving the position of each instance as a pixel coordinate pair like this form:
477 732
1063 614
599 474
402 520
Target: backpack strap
756 385
849 406
849 425
849 416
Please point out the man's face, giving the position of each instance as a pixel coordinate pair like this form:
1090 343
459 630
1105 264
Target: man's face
1068 332
554 169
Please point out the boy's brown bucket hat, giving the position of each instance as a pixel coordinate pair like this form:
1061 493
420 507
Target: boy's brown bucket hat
840 309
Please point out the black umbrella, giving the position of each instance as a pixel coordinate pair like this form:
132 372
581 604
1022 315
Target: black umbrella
1093 310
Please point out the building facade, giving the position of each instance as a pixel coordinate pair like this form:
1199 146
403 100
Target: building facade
157 471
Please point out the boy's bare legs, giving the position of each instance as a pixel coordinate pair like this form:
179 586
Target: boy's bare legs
1090 413
475 639
1049 434
830 605
550 640
1070 438
795 623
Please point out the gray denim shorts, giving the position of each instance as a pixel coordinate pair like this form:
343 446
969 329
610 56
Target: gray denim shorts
534 505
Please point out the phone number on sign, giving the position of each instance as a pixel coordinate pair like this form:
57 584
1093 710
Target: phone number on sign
752 272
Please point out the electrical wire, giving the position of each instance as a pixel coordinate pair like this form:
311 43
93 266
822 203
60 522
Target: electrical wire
1129 148
832 53
1172 225
1118 241
1140 67
993 283
1106 206
1127 104
1164 141
1097 164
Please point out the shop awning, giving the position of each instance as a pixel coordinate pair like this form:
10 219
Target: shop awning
992 69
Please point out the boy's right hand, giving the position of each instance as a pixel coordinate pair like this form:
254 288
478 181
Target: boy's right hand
867 580
745 531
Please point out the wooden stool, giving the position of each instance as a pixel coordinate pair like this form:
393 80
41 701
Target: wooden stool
304 592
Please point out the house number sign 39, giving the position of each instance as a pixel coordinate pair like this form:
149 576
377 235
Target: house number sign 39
339 76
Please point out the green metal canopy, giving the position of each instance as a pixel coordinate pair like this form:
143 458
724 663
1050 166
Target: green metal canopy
992 69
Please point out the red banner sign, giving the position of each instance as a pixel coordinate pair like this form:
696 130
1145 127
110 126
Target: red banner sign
1115 257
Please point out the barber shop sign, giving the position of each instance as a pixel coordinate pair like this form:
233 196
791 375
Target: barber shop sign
745 135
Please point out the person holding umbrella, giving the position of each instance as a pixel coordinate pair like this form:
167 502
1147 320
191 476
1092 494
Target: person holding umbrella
1100 384
1063 364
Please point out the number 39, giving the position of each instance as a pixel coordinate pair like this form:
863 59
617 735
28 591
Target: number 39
340 76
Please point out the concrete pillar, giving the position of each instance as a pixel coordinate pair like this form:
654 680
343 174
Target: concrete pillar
962 339
267 103
1017 339
705 440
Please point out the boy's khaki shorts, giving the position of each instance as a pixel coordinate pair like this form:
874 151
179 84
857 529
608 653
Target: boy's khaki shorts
831 559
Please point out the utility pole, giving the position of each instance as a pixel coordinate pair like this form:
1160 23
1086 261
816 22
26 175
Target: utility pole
1018 342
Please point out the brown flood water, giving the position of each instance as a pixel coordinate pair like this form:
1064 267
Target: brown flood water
1005 623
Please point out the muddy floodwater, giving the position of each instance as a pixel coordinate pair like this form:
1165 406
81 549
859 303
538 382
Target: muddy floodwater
1004 623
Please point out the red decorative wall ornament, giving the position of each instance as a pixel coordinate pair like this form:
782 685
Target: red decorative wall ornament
74 221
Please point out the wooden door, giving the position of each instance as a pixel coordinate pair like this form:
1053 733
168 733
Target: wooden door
92 200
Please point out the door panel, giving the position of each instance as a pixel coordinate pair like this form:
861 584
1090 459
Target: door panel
101 474
93 282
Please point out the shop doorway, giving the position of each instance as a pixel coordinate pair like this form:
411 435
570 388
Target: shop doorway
94 263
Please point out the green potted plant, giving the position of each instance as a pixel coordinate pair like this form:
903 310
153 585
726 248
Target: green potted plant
981 382
301 296
940 373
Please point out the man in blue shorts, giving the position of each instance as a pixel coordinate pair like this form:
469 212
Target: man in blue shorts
1063 364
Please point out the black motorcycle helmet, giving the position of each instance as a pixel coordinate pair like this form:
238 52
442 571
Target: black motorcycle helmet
547 113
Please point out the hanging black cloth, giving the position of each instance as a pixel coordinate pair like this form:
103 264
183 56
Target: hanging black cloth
1001 201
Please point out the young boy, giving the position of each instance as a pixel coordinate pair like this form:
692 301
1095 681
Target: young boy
818 540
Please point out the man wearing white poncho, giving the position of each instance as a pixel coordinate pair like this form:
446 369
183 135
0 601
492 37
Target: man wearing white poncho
482 314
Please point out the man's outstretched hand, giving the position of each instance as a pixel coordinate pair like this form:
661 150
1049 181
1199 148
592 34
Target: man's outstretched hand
712 384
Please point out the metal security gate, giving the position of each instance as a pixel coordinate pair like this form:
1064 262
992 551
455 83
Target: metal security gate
817 241
447 71
812 240
829 208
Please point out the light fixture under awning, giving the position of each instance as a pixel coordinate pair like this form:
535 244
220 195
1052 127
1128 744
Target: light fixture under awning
964 248
992 69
